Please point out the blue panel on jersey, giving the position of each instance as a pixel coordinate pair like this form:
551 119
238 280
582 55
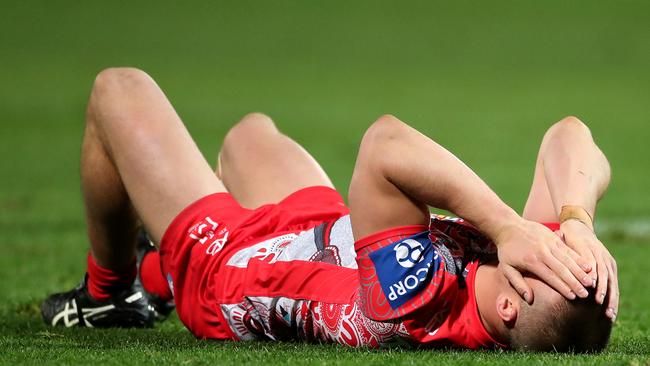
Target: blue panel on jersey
405 268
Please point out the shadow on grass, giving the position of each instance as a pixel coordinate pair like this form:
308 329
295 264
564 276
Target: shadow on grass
23 329
22 325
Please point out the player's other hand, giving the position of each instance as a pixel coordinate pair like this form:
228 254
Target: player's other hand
597 261
526 246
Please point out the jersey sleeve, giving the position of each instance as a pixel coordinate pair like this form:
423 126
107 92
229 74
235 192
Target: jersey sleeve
461 238
400 271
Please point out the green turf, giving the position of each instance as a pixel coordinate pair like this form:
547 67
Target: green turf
483 78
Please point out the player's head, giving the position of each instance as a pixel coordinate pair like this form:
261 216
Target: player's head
553 323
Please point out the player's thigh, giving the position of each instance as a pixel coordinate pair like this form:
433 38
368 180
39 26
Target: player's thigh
159 163
539 205
258 164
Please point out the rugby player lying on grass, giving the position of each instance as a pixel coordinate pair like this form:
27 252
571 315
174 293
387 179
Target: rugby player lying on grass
264 248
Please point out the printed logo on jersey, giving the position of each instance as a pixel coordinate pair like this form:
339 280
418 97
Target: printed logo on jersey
208 231
408 253
405 268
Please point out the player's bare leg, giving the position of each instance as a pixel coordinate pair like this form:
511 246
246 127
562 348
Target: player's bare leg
138 163
259 164
137 156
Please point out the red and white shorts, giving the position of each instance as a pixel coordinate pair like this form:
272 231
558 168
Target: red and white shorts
201 239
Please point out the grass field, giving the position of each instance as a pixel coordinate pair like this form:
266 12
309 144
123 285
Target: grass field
483 79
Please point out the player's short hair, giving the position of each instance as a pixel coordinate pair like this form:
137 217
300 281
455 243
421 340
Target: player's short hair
562 325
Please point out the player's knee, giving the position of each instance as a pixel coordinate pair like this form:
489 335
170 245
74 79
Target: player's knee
255 122
568 126
251 127
572 122
119 78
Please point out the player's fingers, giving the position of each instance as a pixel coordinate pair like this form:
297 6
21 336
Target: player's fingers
612 304
569 259
601 288
576 257
518 283
588 262
583 264
552 279
565 274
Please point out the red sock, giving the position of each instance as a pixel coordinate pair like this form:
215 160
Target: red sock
153 280
103 282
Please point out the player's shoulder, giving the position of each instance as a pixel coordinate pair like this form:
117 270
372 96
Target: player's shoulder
401 276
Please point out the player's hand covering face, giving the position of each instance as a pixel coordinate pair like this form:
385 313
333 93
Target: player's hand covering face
526 246
598 261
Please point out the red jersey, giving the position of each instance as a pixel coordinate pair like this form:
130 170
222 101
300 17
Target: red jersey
292 270
312 286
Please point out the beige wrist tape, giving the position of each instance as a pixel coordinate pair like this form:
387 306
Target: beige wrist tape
570 212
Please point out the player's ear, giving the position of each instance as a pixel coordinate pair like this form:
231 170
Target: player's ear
507 308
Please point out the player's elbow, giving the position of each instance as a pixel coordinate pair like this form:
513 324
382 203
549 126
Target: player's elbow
379 145
383 144
385 124
381 135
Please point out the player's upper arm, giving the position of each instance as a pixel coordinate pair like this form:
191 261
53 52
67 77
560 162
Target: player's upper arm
376 204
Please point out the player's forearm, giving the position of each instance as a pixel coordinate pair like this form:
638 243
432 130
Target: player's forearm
576 171
429 173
